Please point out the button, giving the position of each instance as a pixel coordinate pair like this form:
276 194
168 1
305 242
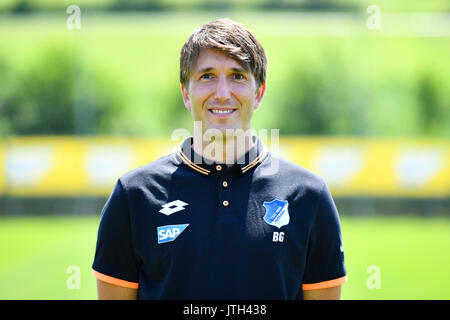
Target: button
225 203
225 184
218 167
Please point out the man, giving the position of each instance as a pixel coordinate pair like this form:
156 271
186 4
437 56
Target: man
214 220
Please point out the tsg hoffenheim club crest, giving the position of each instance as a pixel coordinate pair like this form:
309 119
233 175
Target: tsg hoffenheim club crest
277 213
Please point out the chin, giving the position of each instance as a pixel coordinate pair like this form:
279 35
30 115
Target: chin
225 130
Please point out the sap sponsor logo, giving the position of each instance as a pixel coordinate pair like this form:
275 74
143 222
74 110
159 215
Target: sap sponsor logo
170 233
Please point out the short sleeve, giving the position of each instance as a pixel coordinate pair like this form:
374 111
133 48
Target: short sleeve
325 265
115 260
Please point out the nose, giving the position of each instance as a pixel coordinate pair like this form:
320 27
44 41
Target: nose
223 90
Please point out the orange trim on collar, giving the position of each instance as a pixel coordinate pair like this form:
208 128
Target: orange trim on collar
204 171
191 164
255 162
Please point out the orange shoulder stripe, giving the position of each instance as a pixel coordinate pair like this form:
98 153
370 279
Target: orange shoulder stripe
115 281
324 284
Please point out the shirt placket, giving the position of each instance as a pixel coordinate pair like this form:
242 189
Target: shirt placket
225 200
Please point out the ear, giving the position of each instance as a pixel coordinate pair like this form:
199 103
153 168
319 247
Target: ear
186 99
259 95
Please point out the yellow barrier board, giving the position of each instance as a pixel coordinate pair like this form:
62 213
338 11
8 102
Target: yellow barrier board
375 167
75 166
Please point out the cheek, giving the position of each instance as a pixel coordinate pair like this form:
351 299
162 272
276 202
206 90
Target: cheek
200 94
245 95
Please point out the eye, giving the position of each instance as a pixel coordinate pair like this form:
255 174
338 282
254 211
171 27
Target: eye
206 76
239 76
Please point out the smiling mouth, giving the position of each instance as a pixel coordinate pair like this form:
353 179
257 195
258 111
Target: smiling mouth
222 112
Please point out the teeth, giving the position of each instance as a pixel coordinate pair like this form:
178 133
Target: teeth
221 111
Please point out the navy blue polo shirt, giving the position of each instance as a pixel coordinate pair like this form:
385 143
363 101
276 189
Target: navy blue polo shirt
179 228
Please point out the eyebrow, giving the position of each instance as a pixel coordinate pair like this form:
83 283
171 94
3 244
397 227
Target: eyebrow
208 69
241 70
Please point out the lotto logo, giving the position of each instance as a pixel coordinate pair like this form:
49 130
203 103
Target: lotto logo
173 207
170 233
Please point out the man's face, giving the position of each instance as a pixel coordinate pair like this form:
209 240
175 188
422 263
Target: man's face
221 93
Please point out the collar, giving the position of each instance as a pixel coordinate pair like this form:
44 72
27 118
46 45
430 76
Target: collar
186 154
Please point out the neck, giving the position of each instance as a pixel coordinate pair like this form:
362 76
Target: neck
226 149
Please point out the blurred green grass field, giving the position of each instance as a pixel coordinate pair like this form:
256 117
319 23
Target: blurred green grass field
379 73
412 255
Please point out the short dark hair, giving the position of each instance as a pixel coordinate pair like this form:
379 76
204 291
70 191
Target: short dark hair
231 38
